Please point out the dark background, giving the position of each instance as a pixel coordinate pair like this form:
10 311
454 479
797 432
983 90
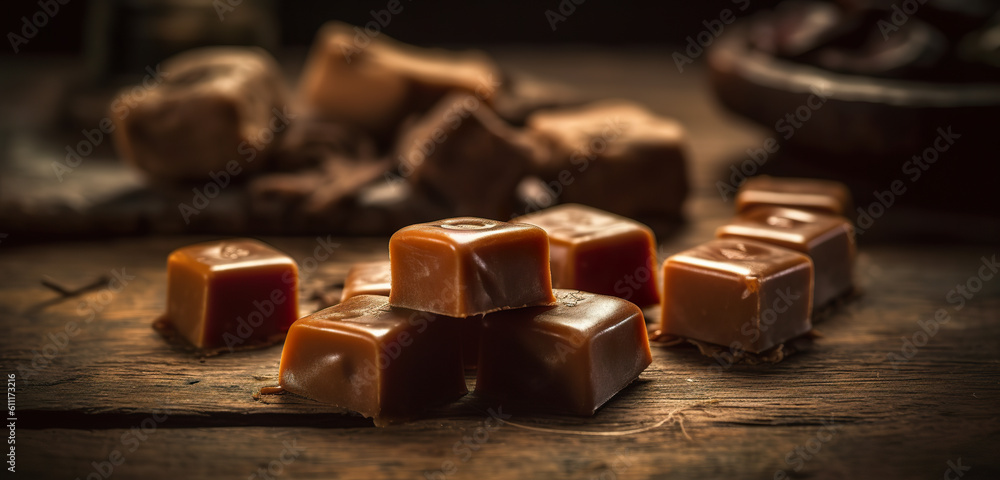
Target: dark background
429 22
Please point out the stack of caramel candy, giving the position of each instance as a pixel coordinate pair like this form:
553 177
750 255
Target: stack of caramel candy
470 293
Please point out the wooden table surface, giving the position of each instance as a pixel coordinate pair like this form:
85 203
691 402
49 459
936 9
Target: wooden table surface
112 398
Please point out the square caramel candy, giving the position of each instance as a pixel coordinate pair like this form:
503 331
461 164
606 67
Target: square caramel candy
613 155
827 239
370 278
599 252
825 196
571 357
385 363
742 294
215 111
469 266
231 293
462 153
375 82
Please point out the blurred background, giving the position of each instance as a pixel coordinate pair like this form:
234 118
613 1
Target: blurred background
63 63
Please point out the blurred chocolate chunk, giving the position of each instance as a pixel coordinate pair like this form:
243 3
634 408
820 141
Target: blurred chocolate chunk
613 155
210 110
465 156
375 82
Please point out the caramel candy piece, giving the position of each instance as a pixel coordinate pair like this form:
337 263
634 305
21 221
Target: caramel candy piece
738 293
216 110
231 293
602 150
827 239
469 266
463 153
571 357
374 82
382 362
370 278
824 196
599 252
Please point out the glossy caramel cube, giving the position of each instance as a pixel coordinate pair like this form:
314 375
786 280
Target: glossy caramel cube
369 278
469 266
825 196
741 294
599 252
827 239
571 357
382 362
231 293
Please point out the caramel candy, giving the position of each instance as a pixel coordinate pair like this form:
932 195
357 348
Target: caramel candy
613 155
599 252
469 266
827 239
374 82
738 293
382 362
823 196
216 110
231 293
571 357
463 153
371 278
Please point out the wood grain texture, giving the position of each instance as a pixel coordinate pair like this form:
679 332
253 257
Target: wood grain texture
115 373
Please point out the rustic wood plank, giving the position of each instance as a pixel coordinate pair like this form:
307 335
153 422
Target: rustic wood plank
423 450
